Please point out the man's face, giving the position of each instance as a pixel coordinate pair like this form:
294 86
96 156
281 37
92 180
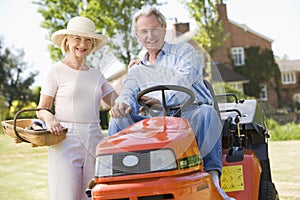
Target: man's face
150 32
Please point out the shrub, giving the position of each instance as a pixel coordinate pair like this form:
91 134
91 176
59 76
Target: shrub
290 131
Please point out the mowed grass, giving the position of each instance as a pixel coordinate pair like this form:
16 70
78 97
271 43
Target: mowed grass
23 170
285 167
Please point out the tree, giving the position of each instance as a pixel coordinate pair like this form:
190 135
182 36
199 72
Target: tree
260 67
15 79
112 18
210 34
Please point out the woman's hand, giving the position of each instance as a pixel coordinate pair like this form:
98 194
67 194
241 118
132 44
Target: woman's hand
53 124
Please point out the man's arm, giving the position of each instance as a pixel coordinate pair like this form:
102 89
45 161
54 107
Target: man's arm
123 104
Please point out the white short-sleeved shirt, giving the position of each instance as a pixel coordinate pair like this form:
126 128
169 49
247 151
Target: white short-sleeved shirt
77 94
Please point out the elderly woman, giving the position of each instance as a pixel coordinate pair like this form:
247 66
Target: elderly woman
76 91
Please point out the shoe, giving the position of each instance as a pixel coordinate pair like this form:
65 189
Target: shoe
215 177
224 195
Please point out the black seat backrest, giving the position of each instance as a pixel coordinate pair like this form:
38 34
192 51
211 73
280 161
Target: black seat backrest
210 88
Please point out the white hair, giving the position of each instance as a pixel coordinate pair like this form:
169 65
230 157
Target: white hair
147 11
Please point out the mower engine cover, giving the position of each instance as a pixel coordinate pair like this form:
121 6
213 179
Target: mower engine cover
157 157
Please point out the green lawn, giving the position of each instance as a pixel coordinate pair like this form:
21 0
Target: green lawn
285 166
23 170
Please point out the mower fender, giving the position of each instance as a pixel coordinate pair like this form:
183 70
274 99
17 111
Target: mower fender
241 179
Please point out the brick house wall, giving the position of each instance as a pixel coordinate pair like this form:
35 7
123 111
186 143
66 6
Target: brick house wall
290 90
240 36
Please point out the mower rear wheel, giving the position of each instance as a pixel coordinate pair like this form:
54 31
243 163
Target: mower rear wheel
267 191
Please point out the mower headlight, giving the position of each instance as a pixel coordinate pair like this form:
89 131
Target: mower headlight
162 159
104 165
139 162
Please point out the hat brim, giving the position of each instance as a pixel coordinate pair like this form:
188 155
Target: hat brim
58 37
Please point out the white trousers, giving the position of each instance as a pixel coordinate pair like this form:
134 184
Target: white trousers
71 163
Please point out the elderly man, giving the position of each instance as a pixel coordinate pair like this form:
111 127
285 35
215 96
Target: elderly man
170 64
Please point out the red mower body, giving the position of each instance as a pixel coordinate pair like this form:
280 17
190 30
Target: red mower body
136 179
158 158
241 179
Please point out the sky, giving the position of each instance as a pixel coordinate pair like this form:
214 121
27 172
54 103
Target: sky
276 19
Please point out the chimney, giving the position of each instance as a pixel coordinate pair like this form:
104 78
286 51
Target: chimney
222 11
181 28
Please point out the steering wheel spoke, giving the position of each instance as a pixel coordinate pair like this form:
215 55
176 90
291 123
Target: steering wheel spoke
164 107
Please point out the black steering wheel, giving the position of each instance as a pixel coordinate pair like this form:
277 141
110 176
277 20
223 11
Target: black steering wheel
164 107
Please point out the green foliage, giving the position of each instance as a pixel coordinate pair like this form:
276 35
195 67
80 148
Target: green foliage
210 34
260 67
230 89
3 109
16 80
16 107
224 88
290 131
112 18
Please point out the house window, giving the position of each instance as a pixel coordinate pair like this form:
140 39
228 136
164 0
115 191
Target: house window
297 98
288 78
264 92
238 56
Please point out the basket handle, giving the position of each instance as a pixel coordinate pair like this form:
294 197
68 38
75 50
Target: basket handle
16 117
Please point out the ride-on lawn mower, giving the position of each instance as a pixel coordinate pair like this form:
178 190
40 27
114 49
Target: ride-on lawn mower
158 158
246 166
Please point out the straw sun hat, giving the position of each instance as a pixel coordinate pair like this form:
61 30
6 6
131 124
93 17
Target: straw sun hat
80 26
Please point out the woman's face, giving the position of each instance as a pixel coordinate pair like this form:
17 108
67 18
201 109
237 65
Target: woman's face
150 32
79 46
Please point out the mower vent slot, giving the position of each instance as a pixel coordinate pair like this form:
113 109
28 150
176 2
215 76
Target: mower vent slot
158 197
143 165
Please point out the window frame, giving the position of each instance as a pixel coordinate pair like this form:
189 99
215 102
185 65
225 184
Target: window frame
296 97
288 78
238 56
263 95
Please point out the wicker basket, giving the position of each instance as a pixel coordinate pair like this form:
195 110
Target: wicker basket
17 129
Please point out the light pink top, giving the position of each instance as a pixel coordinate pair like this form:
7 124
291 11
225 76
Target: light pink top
77 94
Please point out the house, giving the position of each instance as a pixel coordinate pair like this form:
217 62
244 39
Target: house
241 37
232 53
290 81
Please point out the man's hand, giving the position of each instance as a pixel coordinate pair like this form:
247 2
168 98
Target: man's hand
133 62
149 101
120 110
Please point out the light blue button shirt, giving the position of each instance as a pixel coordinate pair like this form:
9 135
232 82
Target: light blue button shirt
176 64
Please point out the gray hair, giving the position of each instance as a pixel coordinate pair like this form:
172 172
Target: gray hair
148 11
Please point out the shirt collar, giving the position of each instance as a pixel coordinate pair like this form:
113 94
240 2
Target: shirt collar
164 50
